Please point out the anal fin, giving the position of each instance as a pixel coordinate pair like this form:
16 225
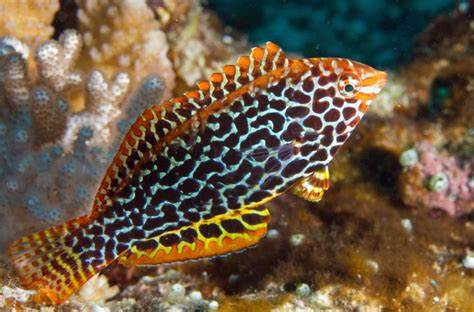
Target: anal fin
312 188
222 234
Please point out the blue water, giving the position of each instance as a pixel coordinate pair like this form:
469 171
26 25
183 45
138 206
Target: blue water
379 32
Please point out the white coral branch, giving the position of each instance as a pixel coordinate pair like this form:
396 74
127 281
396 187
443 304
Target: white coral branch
104 99
101 92
56 61
10 44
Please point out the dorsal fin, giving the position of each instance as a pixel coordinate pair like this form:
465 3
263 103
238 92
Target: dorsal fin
247 68
155 123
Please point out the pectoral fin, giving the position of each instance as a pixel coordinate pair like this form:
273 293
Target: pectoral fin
312 188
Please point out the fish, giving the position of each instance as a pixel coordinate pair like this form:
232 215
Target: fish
192 175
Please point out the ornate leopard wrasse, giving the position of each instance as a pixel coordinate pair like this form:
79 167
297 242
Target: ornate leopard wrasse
192 174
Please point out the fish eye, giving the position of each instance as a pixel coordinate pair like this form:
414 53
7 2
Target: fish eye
349 88
348 85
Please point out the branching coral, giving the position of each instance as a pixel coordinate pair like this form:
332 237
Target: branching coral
51 159
171 12
57 59
103 107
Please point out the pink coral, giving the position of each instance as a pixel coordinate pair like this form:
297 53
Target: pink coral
438 181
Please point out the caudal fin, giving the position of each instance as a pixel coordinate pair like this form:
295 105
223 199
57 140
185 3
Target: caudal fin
45 262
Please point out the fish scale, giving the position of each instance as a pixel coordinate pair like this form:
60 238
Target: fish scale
192 174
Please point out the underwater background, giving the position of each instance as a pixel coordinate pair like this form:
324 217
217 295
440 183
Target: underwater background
395 232
380 33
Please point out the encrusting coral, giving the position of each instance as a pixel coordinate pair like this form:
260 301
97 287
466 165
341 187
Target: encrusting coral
32 28
183 43
438 181
199 46
129 38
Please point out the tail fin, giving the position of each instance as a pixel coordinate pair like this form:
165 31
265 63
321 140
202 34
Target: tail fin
44 262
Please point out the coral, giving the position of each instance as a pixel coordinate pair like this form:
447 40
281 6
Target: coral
14 294
56 61
97 290
199 47
15 81
468 260
395 97
128 38
438 181
332 298
52 158
28 20
170 12
102 109
164 291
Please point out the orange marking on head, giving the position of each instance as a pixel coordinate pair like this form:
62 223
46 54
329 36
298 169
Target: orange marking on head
364 96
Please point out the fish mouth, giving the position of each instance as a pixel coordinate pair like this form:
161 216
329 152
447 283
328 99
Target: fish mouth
381 78
373 83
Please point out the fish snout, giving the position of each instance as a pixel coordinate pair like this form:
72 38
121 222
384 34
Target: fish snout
381 78
373 81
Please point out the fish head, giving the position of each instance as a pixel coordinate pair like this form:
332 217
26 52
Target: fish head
353 82
341 91
344 85
359 82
